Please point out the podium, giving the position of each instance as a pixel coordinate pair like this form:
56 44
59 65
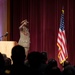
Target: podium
6 46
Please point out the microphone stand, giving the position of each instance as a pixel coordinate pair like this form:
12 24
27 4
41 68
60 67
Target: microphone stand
1 38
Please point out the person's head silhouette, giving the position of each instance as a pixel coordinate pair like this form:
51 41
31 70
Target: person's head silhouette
18 54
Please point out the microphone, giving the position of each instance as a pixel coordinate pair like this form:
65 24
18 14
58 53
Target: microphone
6 34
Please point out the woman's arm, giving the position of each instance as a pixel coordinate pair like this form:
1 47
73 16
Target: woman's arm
21 26
23 23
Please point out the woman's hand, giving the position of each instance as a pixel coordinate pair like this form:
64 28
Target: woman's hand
24 22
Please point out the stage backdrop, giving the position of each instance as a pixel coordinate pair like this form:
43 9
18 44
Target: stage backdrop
44 21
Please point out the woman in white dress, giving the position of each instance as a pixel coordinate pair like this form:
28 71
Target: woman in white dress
24 36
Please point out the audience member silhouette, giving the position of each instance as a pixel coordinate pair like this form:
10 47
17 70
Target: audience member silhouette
65 63
18 57
2 64
43 62
52 68
68 69
7 60
52 63
44 57
34 59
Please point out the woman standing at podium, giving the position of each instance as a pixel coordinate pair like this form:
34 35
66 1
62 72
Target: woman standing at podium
24 39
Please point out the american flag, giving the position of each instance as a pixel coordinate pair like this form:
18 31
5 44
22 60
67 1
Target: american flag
61 41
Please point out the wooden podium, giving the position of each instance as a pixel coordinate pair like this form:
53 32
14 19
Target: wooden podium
6 46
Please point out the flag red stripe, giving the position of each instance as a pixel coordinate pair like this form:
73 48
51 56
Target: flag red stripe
62 52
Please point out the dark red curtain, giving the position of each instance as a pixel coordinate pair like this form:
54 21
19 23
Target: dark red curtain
44 21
